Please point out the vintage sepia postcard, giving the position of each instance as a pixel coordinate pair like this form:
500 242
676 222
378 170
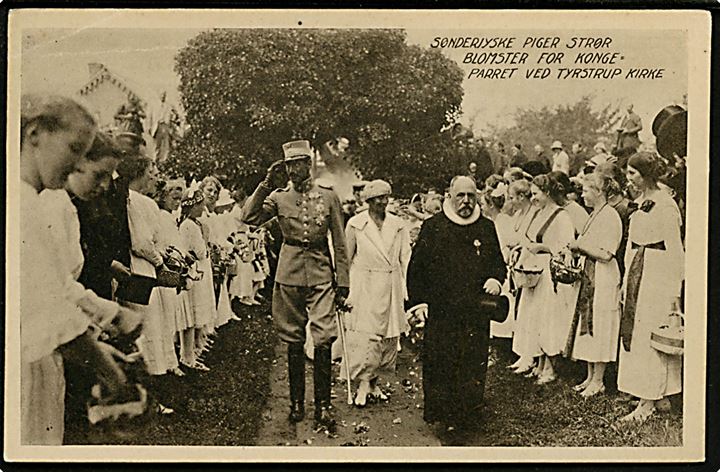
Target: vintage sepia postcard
345 235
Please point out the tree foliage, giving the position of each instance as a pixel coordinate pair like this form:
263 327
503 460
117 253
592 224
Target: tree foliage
247 91
578 122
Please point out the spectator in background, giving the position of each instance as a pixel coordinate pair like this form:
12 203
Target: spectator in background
349 207
517 156
515 173
537 164
601 156
481 156
628 132
472 171
578 158
357 189
433 205
500 158
560 159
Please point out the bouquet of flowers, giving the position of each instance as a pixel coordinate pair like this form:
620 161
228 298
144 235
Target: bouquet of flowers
221 259
416 317
241 248
565 268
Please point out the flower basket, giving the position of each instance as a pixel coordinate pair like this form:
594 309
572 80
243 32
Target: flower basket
668 338
175 270
565 269
169 278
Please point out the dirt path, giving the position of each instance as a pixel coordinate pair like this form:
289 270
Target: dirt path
517 413
397 422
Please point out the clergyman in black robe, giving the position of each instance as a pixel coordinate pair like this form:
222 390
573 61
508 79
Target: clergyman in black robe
456 260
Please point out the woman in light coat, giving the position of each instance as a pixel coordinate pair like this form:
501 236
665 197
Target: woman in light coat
379 250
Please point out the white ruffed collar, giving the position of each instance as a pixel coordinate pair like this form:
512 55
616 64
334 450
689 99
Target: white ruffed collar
457 219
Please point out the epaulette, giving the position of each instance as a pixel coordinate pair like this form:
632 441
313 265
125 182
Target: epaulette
361 209
326 186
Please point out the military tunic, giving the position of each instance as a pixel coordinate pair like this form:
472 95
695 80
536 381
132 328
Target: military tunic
304 276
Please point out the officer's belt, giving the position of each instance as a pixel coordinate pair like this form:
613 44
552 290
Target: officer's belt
321 244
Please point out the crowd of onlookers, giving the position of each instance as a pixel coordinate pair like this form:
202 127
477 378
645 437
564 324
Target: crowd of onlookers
595 264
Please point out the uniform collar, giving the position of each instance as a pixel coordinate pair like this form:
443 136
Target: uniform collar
304 186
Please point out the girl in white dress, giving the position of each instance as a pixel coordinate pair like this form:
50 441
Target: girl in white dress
197 304
525 335
551 308
219 230
241 284
597 315
259 263
47 319
169 237
651 289
55 133
90 179
156 343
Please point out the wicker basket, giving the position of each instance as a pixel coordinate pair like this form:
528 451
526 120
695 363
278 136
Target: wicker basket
668 338
169 278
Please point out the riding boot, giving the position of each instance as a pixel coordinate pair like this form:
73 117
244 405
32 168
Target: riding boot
321 375
296 376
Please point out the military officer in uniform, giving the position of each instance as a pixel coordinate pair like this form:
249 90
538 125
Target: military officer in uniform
307 280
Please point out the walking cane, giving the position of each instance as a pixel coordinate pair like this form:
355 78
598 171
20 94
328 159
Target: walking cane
339 311
346 361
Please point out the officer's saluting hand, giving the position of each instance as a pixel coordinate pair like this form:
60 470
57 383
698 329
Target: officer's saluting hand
276 175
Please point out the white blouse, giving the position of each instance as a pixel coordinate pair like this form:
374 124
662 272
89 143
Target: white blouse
144 223
47 318
62 221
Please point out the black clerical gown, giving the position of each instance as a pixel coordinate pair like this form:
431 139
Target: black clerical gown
449 266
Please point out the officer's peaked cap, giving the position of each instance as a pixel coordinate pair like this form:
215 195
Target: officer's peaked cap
296 150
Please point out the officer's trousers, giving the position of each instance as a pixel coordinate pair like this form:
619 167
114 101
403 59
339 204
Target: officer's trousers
293 306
